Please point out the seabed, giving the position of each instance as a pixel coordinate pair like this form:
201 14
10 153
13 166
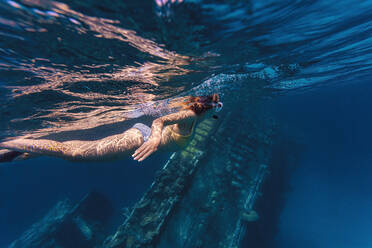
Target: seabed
204 196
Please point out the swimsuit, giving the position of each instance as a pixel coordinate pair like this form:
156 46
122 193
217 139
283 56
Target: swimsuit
144 129
180 139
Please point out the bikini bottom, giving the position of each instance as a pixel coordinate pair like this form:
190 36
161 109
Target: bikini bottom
144 129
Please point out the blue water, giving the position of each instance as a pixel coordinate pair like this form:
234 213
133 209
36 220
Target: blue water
329 203
64 63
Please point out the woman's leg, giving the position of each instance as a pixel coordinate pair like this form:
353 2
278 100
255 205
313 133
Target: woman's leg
111 147
107 148
38 146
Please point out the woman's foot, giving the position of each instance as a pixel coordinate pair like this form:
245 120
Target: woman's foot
8 155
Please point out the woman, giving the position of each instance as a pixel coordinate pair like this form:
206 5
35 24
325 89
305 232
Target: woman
167 132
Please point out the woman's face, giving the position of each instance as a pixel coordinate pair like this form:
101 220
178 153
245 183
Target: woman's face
208 114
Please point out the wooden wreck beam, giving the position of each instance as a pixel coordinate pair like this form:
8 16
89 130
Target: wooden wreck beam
148 216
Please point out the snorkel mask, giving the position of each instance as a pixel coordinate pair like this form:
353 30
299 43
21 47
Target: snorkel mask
217 108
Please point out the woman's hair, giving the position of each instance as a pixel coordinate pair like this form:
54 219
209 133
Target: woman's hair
200 104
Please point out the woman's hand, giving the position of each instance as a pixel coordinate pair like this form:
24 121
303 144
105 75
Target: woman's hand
146 149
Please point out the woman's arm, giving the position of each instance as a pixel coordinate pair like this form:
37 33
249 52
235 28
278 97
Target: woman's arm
151 145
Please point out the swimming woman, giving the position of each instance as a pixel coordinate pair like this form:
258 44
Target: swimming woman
166 132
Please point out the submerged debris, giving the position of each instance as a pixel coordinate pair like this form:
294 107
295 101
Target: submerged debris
202 190
67 226
150 213
250 216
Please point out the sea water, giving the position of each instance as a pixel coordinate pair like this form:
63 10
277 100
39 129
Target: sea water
68 66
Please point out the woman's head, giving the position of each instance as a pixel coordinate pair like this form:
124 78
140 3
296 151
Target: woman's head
200 104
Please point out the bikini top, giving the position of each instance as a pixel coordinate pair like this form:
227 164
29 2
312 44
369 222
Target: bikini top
180 139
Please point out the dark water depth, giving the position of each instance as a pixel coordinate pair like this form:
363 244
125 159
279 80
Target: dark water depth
330 197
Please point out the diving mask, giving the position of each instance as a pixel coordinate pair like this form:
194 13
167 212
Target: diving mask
218 106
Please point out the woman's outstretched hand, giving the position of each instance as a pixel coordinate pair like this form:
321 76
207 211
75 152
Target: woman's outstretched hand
146 149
